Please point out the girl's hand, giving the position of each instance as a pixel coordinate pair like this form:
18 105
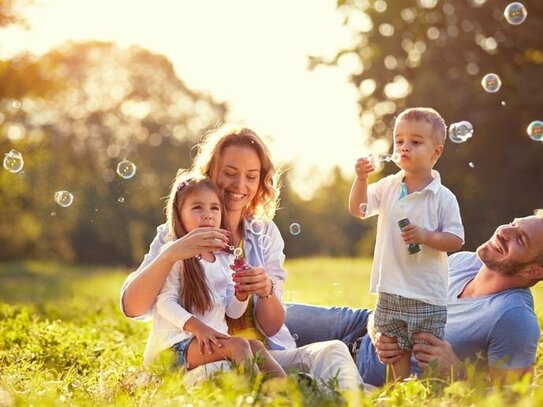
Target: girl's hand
253 280
197 241
414 234
363 168
206 336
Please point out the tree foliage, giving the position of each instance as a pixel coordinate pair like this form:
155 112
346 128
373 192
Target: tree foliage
74 113
435 53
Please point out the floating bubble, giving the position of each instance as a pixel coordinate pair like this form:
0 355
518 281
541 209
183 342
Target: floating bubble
295 337
395 157
16 105
491 83
121 199
363 208
503 103
238 252
126 169
295 229
471 165
515 13
53 213
460 132
13 161
64 198
257 226
534 130
264 241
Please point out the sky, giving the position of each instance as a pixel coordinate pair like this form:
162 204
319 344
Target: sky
251 54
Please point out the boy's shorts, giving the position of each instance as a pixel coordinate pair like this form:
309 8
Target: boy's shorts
180 350
401 317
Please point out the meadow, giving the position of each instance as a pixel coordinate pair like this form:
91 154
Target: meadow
63 341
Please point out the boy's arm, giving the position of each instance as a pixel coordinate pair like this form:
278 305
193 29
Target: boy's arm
359 189
442 241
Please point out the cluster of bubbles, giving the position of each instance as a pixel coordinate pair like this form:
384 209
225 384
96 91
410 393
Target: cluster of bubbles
14 163
491 83
375 159
460 132
515 13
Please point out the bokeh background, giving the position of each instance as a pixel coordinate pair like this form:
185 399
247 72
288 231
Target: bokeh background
74 111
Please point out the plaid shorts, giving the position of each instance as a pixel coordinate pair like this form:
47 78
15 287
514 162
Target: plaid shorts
401 317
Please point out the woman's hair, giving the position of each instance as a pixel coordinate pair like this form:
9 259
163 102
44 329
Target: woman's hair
195 295
207 161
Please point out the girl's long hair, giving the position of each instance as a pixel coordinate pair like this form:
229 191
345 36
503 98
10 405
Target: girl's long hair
195 295
206 162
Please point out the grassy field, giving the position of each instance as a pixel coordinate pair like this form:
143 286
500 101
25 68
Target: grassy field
63 341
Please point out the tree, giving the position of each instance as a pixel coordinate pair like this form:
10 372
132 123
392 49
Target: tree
431 52
96 106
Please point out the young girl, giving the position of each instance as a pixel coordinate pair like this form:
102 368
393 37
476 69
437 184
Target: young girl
189 315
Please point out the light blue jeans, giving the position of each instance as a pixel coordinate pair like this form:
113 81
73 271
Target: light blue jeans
312 323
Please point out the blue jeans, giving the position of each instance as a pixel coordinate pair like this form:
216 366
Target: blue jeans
314 323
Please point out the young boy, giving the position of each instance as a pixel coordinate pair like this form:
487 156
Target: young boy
419 222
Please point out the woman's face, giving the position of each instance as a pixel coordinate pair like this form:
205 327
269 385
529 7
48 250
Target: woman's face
238 176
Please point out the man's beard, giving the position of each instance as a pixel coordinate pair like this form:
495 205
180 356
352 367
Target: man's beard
507 268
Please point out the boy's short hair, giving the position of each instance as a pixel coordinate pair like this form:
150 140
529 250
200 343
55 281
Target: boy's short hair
429 115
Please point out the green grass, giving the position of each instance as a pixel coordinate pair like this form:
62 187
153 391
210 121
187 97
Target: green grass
63 341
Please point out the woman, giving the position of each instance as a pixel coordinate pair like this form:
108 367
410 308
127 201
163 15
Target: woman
239 163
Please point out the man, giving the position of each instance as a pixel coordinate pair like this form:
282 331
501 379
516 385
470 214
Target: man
491 318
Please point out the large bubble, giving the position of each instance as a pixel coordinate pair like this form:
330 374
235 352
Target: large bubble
64 198
257 226
491 83
264 241
13 161
515 13
126 169
460 132
535 130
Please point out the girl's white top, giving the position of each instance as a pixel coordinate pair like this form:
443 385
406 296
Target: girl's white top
169 317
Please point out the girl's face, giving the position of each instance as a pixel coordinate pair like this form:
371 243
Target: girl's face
238 176
201 208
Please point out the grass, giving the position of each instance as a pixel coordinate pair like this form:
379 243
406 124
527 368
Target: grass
63 341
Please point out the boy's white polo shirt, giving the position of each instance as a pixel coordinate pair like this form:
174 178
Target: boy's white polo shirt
424 275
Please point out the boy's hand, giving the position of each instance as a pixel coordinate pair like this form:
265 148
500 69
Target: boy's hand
363 168
414 234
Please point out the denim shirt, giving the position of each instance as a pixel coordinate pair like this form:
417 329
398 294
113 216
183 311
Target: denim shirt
270 256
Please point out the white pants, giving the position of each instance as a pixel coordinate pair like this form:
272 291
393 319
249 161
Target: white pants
323 360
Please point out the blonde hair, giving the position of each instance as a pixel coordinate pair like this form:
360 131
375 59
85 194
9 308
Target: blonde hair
206 162
430 116
194 294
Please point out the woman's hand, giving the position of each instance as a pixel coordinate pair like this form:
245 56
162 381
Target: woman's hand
254 280
197 241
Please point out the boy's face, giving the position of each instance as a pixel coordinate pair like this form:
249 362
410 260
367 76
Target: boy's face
416 144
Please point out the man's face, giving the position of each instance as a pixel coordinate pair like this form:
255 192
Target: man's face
513 246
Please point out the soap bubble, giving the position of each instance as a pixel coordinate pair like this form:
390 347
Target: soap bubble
126 169
13 161
535 130
264 241
257 226
515 13
295 229
491 83
460 132
238 252
121 199
64 198
471 165
363 207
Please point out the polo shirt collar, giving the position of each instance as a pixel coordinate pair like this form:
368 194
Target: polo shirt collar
432 186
